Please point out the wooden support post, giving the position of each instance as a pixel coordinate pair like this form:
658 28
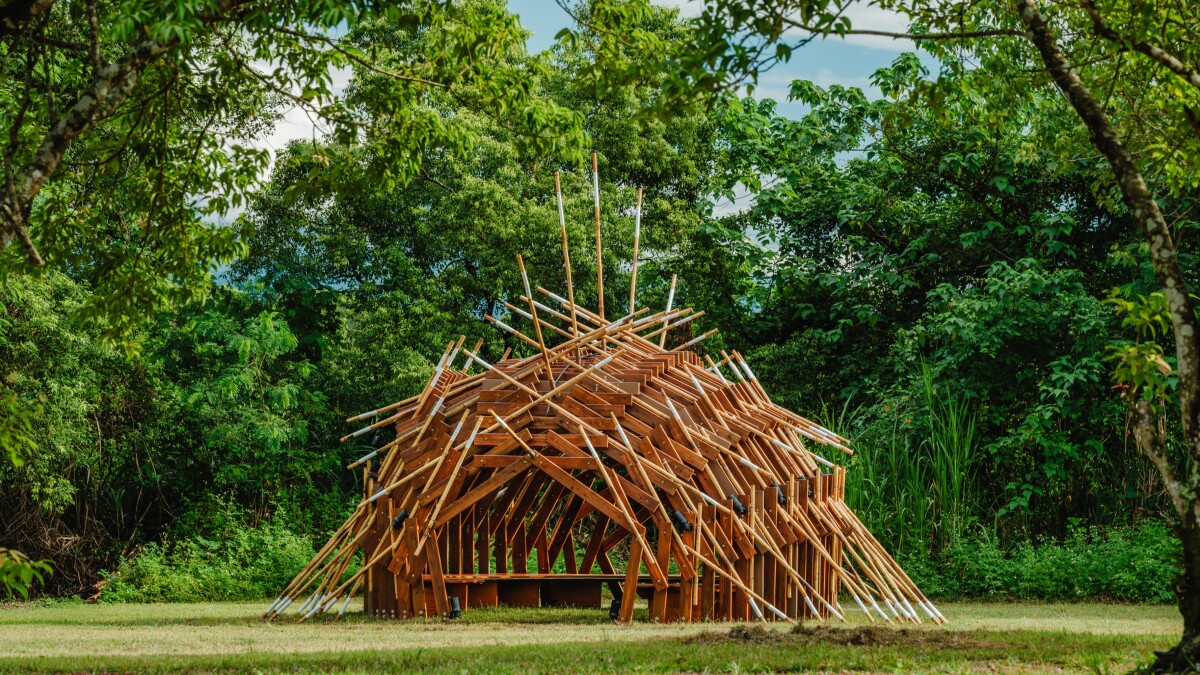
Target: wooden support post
658 601
434 555
500 550
416 571
629 590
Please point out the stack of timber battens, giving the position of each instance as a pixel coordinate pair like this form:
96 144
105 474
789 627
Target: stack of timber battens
604 459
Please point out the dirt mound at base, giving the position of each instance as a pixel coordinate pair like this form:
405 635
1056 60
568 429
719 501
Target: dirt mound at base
862 636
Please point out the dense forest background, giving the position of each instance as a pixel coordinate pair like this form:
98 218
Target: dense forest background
931 282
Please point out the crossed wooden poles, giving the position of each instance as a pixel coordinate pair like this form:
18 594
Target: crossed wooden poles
531 480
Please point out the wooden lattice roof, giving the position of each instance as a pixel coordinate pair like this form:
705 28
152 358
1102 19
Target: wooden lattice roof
604 445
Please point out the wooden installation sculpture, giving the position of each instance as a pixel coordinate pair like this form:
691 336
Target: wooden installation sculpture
605 460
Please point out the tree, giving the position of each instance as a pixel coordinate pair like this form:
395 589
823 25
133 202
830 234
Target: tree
886 233
131 126
1146 134
439 252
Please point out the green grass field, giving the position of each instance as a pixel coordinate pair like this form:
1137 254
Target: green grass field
229 637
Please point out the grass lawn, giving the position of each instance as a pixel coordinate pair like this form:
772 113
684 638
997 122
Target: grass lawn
229 637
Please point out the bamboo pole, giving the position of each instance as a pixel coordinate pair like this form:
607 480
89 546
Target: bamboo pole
599 249
562 226
690 317
637 239
537 326
693 341
662 339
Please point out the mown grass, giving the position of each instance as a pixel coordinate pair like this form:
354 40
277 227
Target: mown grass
228 637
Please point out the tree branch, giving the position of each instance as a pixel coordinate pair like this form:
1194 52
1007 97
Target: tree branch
30 250
1102 29
94 35
425 175
111 86
964 35
57 42
1149 441
332 44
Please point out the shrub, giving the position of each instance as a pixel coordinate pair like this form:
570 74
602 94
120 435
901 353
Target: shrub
243 563
1132 564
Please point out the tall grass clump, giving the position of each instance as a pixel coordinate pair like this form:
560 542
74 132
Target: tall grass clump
950 444
914 482
912 477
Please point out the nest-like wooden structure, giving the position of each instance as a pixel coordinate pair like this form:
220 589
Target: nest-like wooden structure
603 460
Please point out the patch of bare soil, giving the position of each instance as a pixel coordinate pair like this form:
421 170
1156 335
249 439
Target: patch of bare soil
862 636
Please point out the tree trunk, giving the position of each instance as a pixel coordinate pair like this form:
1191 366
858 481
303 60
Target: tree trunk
1184 493
1185 656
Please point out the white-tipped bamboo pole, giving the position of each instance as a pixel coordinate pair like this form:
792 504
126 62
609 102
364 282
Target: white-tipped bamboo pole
662 339
693 341
562 226
637 240
599 248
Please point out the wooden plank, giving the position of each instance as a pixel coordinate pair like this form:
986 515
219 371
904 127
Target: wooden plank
483 553
516 518
571 592
551 499
598 423
594 543
503 395
658 601
538 440
565 446
520 592
415 570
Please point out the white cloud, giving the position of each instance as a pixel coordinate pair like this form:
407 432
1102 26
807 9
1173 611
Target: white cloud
295 123
776 84
865 16
862 15
687 8
298 123
826 77
742 200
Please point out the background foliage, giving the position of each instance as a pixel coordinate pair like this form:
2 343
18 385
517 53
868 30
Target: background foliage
930 281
